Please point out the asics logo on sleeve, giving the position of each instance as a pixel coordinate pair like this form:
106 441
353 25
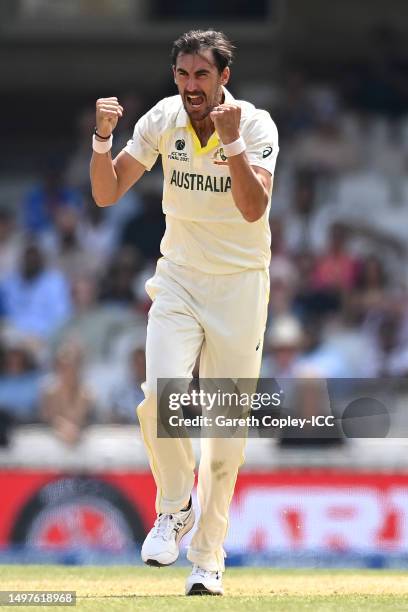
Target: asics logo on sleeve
267 151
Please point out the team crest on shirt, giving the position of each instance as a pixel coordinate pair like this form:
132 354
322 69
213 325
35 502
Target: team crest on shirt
219 157
179 154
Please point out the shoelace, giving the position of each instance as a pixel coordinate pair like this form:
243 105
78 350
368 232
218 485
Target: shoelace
204 573
164 526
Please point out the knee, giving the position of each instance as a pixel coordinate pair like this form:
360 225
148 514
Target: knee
147 409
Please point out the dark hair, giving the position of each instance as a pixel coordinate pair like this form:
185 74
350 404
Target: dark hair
196 40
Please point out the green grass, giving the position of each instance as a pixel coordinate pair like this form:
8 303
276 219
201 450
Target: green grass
106 589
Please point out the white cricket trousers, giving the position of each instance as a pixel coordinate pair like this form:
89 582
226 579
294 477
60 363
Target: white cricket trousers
222 318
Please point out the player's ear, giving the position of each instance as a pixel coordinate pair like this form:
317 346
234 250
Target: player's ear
225 75
174 74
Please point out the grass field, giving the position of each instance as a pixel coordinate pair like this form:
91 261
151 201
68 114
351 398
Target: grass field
106 589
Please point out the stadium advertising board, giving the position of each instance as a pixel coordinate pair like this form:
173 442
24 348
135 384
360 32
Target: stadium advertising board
299 511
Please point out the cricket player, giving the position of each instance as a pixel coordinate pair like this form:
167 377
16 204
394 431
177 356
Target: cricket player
210 289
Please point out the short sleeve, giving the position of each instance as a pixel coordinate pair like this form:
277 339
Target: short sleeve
261 139
144 146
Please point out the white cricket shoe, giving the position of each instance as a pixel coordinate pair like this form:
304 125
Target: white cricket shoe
161 546
204 582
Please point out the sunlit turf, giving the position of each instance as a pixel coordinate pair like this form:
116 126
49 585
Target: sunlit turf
142 588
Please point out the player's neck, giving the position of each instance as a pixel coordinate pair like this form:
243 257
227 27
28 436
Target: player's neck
204 130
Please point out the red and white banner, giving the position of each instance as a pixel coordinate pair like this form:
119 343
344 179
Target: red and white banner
320 510
280 511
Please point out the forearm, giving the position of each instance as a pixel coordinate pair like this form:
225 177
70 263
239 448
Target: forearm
249 193
250 186
104 179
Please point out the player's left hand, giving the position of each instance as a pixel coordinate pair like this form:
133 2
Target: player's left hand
226 118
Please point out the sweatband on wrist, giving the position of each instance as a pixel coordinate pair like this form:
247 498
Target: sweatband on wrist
234 148
101 147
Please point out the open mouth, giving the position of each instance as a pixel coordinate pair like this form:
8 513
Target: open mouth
195 101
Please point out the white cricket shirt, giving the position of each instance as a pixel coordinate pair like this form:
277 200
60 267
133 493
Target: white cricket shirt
204 228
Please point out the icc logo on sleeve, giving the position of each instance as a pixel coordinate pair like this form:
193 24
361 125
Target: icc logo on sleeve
180 144
266 152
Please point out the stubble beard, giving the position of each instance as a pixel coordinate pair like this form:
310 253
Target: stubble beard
217 99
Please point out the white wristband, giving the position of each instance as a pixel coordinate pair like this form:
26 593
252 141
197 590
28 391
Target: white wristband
234 148
100 146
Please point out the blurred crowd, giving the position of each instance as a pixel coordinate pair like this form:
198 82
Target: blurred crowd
72 302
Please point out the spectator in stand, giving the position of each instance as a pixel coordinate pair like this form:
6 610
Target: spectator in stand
372 291
325 149
283 275
118 285
97 234
309 302
325 279
76 247
19 380
45 199
295 114
392 356
66 403
387 329
64 246
36 298
306 224
96 325
296 350
278 233
283 285
320 358
283 347
345 335
336 269
11 243
288 364
381 86
127 393
145 230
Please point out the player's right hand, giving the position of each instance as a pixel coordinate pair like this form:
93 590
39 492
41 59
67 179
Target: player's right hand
108 111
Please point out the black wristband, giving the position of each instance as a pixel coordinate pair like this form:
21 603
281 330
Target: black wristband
101 137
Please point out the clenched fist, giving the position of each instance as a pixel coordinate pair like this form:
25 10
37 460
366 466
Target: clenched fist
226 119
108 111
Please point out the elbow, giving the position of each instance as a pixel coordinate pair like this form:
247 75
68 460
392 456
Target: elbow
252 217
103 201
252 210
253 214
